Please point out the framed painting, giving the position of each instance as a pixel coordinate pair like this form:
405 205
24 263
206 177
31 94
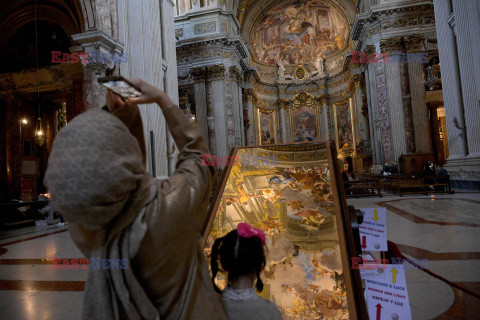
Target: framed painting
266 126
293 193
304 124
344 125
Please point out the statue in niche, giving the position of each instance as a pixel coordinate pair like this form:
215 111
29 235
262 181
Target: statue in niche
281 69
319 65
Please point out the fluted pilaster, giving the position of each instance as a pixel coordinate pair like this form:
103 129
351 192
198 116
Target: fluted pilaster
284 121
421 121
452 95
466 61
200 93
324 118
394 87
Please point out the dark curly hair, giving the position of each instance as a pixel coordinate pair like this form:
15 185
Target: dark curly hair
238 256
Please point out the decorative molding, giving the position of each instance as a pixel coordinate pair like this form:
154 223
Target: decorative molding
205 27
236 74
179 33
283 104
215 72
392 16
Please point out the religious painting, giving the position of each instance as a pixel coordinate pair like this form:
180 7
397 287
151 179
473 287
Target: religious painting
344 125
304 124
267 126
289 191
299 32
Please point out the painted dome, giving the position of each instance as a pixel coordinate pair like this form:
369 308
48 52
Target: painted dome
298 32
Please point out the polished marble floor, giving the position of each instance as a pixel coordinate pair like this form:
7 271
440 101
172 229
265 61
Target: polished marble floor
445 229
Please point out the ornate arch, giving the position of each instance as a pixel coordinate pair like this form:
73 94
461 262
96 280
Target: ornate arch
69 16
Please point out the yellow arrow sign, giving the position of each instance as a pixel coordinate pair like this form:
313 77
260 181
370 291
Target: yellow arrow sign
375 215
394 275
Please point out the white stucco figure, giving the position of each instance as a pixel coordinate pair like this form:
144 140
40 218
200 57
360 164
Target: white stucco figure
319 65
281 69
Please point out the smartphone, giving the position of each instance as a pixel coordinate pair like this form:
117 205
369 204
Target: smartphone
120 86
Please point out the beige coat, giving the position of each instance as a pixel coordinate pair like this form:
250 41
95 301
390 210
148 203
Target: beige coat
162 241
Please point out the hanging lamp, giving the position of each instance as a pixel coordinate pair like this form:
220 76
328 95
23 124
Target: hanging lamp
39 134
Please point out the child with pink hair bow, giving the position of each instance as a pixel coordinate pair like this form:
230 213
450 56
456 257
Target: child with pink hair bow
242 257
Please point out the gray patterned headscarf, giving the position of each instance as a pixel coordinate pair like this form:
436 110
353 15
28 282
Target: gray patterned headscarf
97 180
95 170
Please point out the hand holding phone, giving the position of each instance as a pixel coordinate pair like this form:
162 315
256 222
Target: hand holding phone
150 94
121 87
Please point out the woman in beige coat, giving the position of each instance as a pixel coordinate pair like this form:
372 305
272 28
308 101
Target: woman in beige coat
117 212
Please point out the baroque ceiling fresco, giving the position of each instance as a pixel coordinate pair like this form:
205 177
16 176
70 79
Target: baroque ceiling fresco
298 32
288 194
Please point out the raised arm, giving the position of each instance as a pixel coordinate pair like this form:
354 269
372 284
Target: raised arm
186 193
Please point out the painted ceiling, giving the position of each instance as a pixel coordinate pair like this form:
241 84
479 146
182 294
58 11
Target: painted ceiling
298 32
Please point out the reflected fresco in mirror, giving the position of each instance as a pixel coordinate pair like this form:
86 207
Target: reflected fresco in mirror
286 191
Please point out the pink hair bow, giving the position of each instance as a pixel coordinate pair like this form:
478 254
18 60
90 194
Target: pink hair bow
247 231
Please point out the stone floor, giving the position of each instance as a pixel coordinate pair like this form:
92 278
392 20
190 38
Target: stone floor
445 229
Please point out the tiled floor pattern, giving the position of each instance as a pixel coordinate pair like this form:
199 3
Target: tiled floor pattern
444 229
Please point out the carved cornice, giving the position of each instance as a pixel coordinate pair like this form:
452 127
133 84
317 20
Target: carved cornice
392 15
403 44
202 48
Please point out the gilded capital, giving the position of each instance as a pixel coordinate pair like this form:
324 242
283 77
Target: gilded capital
322 99
199 74
216 71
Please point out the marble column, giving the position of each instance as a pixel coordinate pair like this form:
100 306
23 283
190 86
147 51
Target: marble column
407 102
200 94
216 112
452 94
361 125
249 97
236 80
284 121
421 121
396 108
371 116
97 42
380 110
465 21
324 123
93 92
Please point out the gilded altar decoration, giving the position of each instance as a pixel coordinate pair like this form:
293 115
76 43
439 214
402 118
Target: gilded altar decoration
304 118
60 120
292 199
300 72
344 127
267 126
304 124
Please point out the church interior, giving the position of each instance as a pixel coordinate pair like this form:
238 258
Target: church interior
328 108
